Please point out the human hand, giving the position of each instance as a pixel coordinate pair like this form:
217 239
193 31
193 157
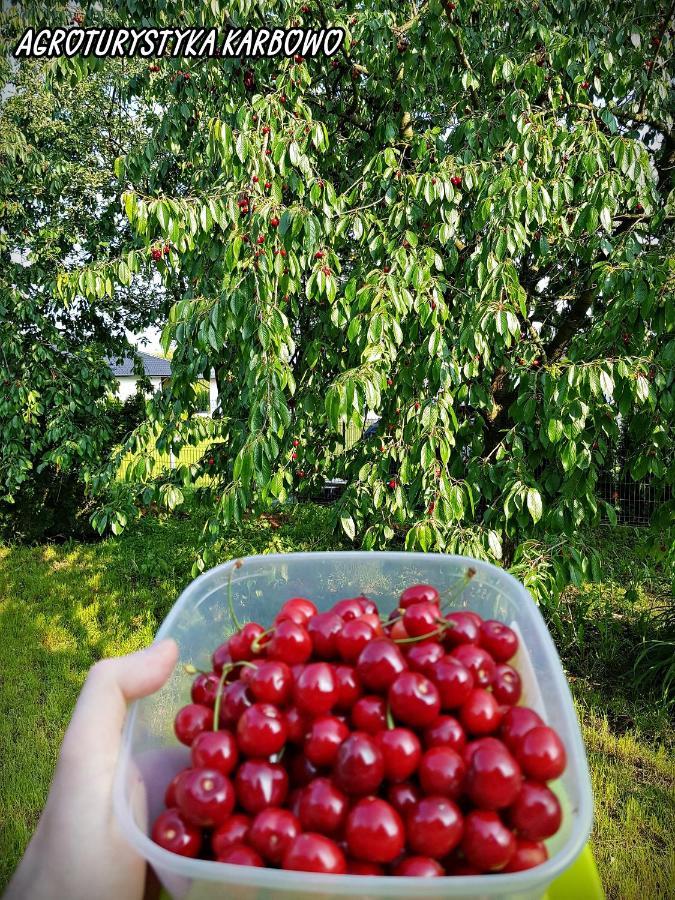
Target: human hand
77 851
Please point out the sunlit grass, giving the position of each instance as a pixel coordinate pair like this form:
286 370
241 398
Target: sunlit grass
62 608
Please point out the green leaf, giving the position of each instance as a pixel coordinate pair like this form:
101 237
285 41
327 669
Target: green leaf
348 526
534 504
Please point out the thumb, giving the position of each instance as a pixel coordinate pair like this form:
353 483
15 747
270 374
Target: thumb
112 683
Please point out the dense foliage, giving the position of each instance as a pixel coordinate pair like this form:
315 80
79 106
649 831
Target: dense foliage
461 222
59 210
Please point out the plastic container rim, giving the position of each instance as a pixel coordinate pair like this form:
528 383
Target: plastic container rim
207 870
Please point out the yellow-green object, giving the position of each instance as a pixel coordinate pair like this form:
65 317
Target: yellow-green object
581 880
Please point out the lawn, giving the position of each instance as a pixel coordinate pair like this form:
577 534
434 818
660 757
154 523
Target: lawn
63 607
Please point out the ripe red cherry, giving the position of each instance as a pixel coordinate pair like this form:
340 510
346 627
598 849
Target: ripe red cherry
500 641
445 732
453 680
262 730
298 725
236 700
311 852
315 691
494 778
515 725
418 867
259 784
191 720
414 699
477 661
322 807
299 609
434 827
348 687
215 750
487 843
404 797
418 593
348 609
464 630
401 752
535 813
172 832
480 712
456 180
423 657
241 855
290 643
506 685
379 664
359 768
352 638
272 833
205 797
170 793
241 644
233 831
220 657
541 754
323 630
441 772
369 714
204 688
528 855
274 222
420 619
374 831
326 736
271 682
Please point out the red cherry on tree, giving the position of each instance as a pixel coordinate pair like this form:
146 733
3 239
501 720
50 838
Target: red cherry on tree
172 832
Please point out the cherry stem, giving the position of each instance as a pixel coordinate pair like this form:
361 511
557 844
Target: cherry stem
256 646
189 669
230 604
221 682
419 637
456 591
390 719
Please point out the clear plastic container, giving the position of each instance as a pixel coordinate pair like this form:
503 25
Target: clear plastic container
200 620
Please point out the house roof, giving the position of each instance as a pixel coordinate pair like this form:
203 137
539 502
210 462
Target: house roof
154 366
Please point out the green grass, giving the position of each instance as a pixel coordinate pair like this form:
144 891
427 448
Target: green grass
64 607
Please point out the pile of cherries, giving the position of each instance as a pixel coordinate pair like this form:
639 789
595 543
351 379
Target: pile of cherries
344 742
